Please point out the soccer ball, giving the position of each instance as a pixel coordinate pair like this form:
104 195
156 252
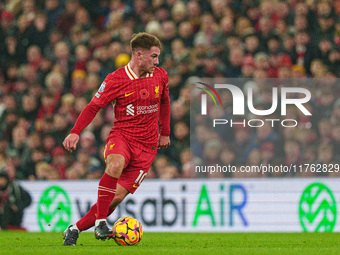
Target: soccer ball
127 231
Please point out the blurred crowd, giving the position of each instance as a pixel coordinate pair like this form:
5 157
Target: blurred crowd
54 55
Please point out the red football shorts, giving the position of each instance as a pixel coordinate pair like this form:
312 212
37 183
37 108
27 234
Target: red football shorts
137 162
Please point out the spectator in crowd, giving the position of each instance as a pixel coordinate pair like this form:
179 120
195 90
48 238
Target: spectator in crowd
67 108
67 19
18 140
325 131
228 158
40 30
53 9
325 156
58 161
13 200
253 159
29 108
292 151
185 163
160 165
87 143
44 171
267 150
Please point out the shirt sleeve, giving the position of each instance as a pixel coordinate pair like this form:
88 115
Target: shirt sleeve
106 93
85 118
164 117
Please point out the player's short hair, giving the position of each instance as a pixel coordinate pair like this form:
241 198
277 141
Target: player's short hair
145 41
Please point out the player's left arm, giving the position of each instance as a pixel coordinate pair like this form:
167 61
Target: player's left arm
164 117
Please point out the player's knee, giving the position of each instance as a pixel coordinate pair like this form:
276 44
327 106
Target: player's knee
114 167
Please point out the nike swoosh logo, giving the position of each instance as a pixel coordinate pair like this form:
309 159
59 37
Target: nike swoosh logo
135 186
102 195
128 94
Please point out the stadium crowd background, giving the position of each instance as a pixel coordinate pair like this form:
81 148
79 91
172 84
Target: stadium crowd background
54 54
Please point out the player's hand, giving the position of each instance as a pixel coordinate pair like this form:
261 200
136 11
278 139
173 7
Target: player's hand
163 142
70 142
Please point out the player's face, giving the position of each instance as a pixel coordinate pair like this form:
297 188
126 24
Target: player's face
149 59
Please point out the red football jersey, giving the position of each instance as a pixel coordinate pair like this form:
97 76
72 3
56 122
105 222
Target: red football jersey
137 103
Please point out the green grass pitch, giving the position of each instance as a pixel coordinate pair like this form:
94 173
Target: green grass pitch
175 243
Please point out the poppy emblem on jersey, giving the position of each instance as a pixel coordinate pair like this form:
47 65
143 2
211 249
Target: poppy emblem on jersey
102 87
144 94
156 91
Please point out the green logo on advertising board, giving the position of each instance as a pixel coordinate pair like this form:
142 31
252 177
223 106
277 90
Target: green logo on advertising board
54 210
317 209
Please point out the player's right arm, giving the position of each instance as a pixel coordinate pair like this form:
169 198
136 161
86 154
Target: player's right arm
84 119
100 100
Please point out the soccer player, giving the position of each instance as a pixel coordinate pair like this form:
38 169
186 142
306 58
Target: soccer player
140 95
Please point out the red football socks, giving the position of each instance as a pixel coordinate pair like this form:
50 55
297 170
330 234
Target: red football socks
106 192
89 219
